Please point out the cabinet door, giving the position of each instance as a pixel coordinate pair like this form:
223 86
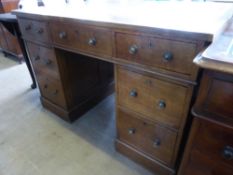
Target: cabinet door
3 43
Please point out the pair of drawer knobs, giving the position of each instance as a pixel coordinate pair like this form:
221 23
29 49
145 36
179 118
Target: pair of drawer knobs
39 31
167 56
47 61
161 103
91 41
156 142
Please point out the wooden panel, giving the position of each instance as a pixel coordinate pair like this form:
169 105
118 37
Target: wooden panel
8 5
200 164
3 42
167 54
142 159
43 60
157 100
152 139
34 30
220 96
52 90
97 41
212 139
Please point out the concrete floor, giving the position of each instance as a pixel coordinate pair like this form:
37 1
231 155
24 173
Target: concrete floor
33 141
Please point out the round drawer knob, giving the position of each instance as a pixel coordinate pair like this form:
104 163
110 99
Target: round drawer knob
156 143
167 56
62 35
133 49
37 58
133 93
48 62
55 92
228 153
28 27
40 31
131 131
92 41
45 86
162 104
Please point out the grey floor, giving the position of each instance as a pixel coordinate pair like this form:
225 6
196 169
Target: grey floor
33 141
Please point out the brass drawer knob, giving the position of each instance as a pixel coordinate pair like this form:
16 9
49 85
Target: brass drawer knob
131 131
55 92
45 86
133 49
133 93
28 27
157 143
62 35
92 41
162 104
37 58
48 62
167 56
40 31
228 153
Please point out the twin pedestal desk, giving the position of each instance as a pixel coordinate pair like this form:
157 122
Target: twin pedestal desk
152 73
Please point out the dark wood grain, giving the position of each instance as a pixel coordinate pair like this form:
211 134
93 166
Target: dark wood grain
159 142
8 42
209 150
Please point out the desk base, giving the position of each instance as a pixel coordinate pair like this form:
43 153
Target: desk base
81 108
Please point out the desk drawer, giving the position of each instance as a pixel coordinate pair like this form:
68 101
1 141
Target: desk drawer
155 99
215 141
97 41
154 140
34 30
52 90
167 54
43 60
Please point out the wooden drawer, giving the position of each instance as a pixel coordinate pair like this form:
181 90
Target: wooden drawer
200 164
155 99
34 30
43 60
154 140
215 141
52 90
97 41
167 54
216 94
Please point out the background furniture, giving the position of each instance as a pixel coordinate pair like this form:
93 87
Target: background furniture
153 71
10 23
8 42
209 150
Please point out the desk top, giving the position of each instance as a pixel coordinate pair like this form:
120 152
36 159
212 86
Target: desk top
219 55
8 17
203 18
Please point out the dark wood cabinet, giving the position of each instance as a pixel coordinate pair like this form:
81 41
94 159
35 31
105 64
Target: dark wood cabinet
9 43
210 146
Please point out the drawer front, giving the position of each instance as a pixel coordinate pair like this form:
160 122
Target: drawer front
155 99
52 90
167 54
215 141
200 164
43 60
154 140
34 30
219 95
96 41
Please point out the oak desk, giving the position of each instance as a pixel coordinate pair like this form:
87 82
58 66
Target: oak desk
152 46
